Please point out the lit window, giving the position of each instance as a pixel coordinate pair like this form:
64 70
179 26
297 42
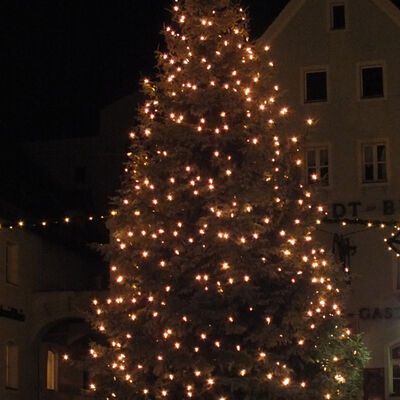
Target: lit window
11 365
11 262
338 16
395 370
317 165
315 86
374 163
372 82
51 370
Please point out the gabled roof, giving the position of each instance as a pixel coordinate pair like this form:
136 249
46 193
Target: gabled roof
294 6
282 20
390 9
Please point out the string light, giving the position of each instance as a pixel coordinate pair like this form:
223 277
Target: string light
192 239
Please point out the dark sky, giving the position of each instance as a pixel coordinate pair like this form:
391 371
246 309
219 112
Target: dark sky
62 60
65 59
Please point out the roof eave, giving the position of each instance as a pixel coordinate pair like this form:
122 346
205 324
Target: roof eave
281 21
389 9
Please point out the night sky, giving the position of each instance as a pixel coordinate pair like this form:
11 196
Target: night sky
63 60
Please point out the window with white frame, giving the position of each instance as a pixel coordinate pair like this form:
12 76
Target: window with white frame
374 162
337 16
315 86
11 365
394 372
372 82
317 165
51 370
11 262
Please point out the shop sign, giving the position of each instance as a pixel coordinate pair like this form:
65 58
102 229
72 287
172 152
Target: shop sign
354 208
370 313
12 313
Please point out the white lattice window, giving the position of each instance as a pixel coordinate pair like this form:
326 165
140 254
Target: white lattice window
317 165
374 162
394 372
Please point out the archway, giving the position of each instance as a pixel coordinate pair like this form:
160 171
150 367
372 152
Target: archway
61 349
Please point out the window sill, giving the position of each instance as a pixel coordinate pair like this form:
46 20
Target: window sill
12 284
374 184
325 101
372 98
317 186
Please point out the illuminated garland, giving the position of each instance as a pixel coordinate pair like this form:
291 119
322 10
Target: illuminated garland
366 222
47 222
393 241
20 222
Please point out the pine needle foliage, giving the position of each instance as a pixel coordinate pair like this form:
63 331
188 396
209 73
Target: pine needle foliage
219 290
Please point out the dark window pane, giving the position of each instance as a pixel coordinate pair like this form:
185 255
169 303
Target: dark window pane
324 178
396 386
316 86
368 154
369 172
372 82
381 152
311 158
323 157
382 172
396 350
394 354
396 371
338 17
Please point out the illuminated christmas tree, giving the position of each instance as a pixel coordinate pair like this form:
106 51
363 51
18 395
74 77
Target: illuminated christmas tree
218 288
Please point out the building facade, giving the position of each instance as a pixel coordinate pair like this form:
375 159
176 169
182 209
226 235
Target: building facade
338 64
45 289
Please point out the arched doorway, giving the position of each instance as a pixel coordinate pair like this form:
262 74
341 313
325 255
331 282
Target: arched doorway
62 347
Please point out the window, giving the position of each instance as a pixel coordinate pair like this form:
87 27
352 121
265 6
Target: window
374 383
51 370
11 263
395 370
374 163
11 365
315 87
338 16
372 82
317 165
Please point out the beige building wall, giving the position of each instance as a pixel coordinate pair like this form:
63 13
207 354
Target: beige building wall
302 40
37 313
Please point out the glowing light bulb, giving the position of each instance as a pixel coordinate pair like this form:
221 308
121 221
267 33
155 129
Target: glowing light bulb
286 381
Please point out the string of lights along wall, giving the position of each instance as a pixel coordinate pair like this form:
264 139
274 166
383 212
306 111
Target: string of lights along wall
393 240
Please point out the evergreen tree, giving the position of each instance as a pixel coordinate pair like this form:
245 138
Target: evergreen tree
218 288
